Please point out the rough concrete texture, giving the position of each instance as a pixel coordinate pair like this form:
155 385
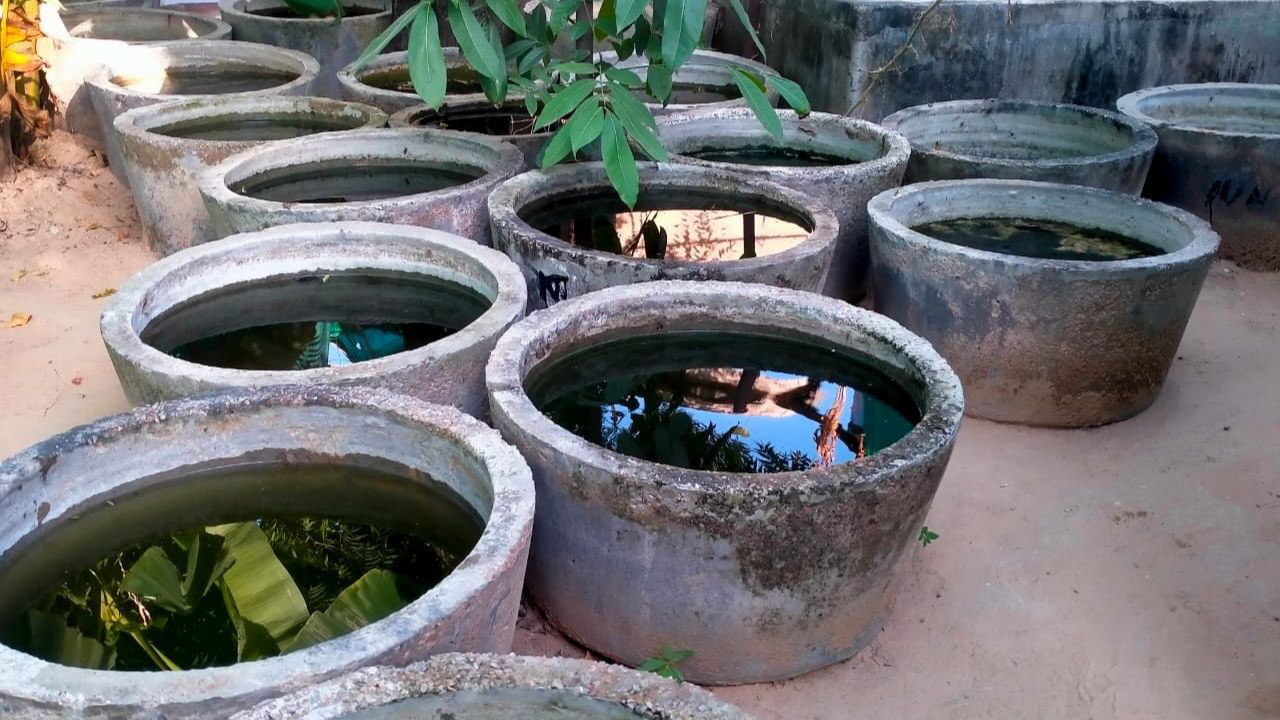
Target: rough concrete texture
555 269
766 576
1085 52
472 114
116 464
1042 342
458 209
877 158
1025 140
79 39
264 268
334 44
136 76
383 82
1219 157
499 687
704 81
165 147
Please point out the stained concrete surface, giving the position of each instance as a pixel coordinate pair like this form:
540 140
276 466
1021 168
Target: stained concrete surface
1130 571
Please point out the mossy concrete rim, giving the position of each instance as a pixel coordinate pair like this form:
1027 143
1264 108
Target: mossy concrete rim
1133 103
645 693
711 306
38 689
200 53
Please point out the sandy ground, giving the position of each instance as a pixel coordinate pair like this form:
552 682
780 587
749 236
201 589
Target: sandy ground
1131 571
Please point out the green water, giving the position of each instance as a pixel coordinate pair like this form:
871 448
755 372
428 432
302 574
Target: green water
459 80
208 82
254 128
353 181
725 401
1044 239
764 155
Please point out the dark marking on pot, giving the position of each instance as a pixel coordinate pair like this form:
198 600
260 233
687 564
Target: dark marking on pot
42 511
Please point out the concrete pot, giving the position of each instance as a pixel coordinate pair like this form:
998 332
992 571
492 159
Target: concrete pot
1025 140
137 77
555 269
473 686
763 576
383 82
705 81
165 148
1219 157
876 160
333 44
80 39
478 115
476 162
256 279
1058 343
125 478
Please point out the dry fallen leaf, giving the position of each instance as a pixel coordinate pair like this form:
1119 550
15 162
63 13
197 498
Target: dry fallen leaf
94 226
18 275
17 320
77 380
105 292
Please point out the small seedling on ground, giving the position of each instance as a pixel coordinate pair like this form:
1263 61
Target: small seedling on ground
665 663
927 536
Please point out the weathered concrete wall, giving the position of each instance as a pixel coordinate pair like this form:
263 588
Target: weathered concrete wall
1088 52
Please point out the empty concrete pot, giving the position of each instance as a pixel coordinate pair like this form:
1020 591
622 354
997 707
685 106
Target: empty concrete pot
98 488
704 81
510 121
139 76
82 38
841 161
430 178
165 147
1219 157
384 83
335 44
763 575
488 687
1025 140
526 207
366 273
1051 342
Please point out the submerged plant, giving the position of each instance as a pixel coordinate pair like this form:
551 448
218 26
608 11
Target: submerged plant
588 95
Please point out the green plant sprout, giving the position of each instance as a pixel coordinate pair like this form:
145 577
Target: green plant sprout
927 536
665 663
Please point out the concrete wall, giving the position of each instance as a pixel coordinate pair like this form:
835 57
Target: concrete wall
1082 51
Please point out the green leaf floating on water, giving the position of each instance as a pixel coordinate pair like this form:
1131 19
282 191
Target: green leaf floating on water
260 589
374 596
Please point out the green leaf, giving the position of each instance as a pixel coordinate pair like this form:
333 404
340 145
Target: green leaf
564 101
791 92
556 149
745 19
207 561
658 79
624 48
253 642
605 20
262 589
651 665
927 536
627 11
624 76
495 88
585 125
531 59
638 122
619 163
576 68
373 597
380 43
749 86
641 35
509 13
537 25
560 13
53 640
426 58
473 38
154 577
681 30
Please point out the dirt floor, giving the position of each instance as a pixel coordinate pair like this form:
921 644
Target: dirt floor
1131 571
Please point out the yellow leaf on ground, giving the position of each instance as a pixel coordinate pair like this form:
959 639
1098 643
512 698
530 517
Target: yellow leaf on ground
17 320
105 292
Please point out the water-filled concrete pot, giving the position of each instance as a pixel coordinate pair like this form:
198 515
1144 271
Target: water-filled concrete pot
1025 140
488 687
82 38
335 165
479 115
1219 157
123 479
704 81
383 82
165 147
556 269
1060 343
876 159
333 44
139 76
272 277
763 576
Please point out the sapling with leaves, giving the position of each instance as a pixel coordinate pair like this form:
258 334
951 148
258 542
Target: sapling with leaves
584 94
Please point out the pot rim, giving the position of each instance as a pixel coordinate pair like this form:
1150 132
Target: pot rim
510 518
234 9
244 256
702 58
1131 105
351 78
881 213
328 146
1144 139
895 146
403 118
513 195
941 407
179 52
217 26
